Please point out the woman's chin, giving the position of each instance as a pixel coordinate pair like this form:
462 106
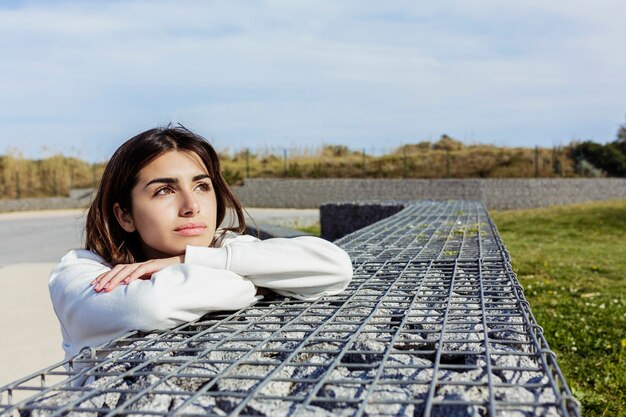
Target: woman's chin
202 240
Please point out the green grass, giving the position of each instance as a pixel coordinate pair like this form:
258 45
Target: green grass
314 229
571 261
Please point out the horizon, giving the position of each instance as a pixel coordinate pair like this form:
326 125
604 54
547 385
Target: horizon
79 78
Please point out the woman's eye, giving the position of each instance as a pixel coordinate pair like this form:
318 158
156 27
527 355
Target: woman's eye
163 191
204 186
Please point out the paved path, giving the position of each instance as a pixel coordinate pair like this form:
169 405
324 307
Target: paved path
39 237
31 243
28 237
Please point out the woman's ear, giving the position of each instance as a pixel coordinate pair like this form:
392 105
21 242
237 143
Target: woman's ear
124 218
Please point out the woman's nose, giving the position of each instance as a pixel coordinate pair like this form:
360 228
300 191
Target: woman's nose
189 205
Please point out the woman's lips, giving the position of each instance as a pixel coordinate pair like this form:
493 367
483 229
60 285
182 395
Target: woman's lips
191 229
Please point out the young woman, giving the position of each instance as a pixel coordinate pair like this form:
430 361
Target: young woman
155 257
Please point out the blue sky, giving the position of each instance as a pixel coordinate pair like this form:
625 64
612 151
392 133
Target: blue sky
81 77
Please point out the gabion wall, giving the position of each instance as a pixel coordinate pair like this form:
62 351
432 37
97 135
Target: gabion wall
495 194
434 323
340 219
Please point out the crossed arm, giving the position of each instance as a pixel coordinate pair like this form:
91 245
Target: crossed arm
96 303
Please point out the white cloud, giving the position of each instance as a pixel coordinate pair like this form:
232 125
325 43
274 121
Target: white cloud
282 71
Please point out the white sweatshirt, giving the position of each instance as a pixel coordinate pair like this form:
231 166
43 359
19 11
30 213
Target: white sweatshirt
223 277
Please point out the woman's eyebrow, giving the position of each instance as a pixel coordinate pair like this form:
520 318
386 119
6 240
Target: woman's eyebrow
201 177
175 180
161 181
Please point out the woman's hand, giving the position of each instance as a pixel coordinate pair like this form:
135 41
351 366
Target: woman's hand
126 273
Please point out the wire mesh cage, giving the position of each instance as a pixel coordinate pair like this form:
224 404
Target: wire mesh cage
434 323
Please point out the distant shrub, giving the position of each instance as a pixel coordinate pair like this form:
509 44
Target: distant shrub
319 170
610 158
232 177
294 170
413 148
448 144
335 151
270 159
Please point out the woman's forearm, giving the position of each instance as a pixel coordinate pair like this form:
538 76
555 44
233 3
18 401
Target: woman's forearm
303 267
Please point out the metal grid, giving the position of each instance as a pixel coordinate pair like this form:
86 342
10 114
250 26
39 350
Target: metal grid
434 323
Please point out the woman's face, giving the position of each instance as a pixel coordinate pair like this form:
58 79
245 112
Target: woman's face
173 205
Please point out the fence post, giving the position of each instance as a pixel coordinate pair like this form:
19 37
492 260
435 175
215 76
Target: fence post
556 163
285 161
404 162
364 167
71 175
580 163
17 185
448 163
247 163
536 161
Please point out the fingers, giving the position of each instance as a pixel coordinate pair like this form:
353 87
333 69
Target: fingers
122 273
126 273
107 280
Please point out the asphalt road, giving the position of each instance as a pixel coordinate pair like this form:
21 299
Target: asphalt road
46 236
39 237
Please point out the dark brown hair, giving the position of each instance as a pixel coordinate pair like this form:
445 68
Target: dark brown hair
104 235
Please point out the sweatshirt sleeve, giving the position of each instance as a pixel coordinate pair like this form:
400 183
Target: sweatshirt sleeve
172 296
302 267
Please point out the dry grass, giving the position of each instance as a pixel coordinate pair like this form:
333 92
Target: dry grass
52 176
55 175
478 161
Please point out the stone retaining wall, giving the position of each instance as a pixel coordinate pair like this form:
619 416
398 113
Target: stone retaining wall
500 194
